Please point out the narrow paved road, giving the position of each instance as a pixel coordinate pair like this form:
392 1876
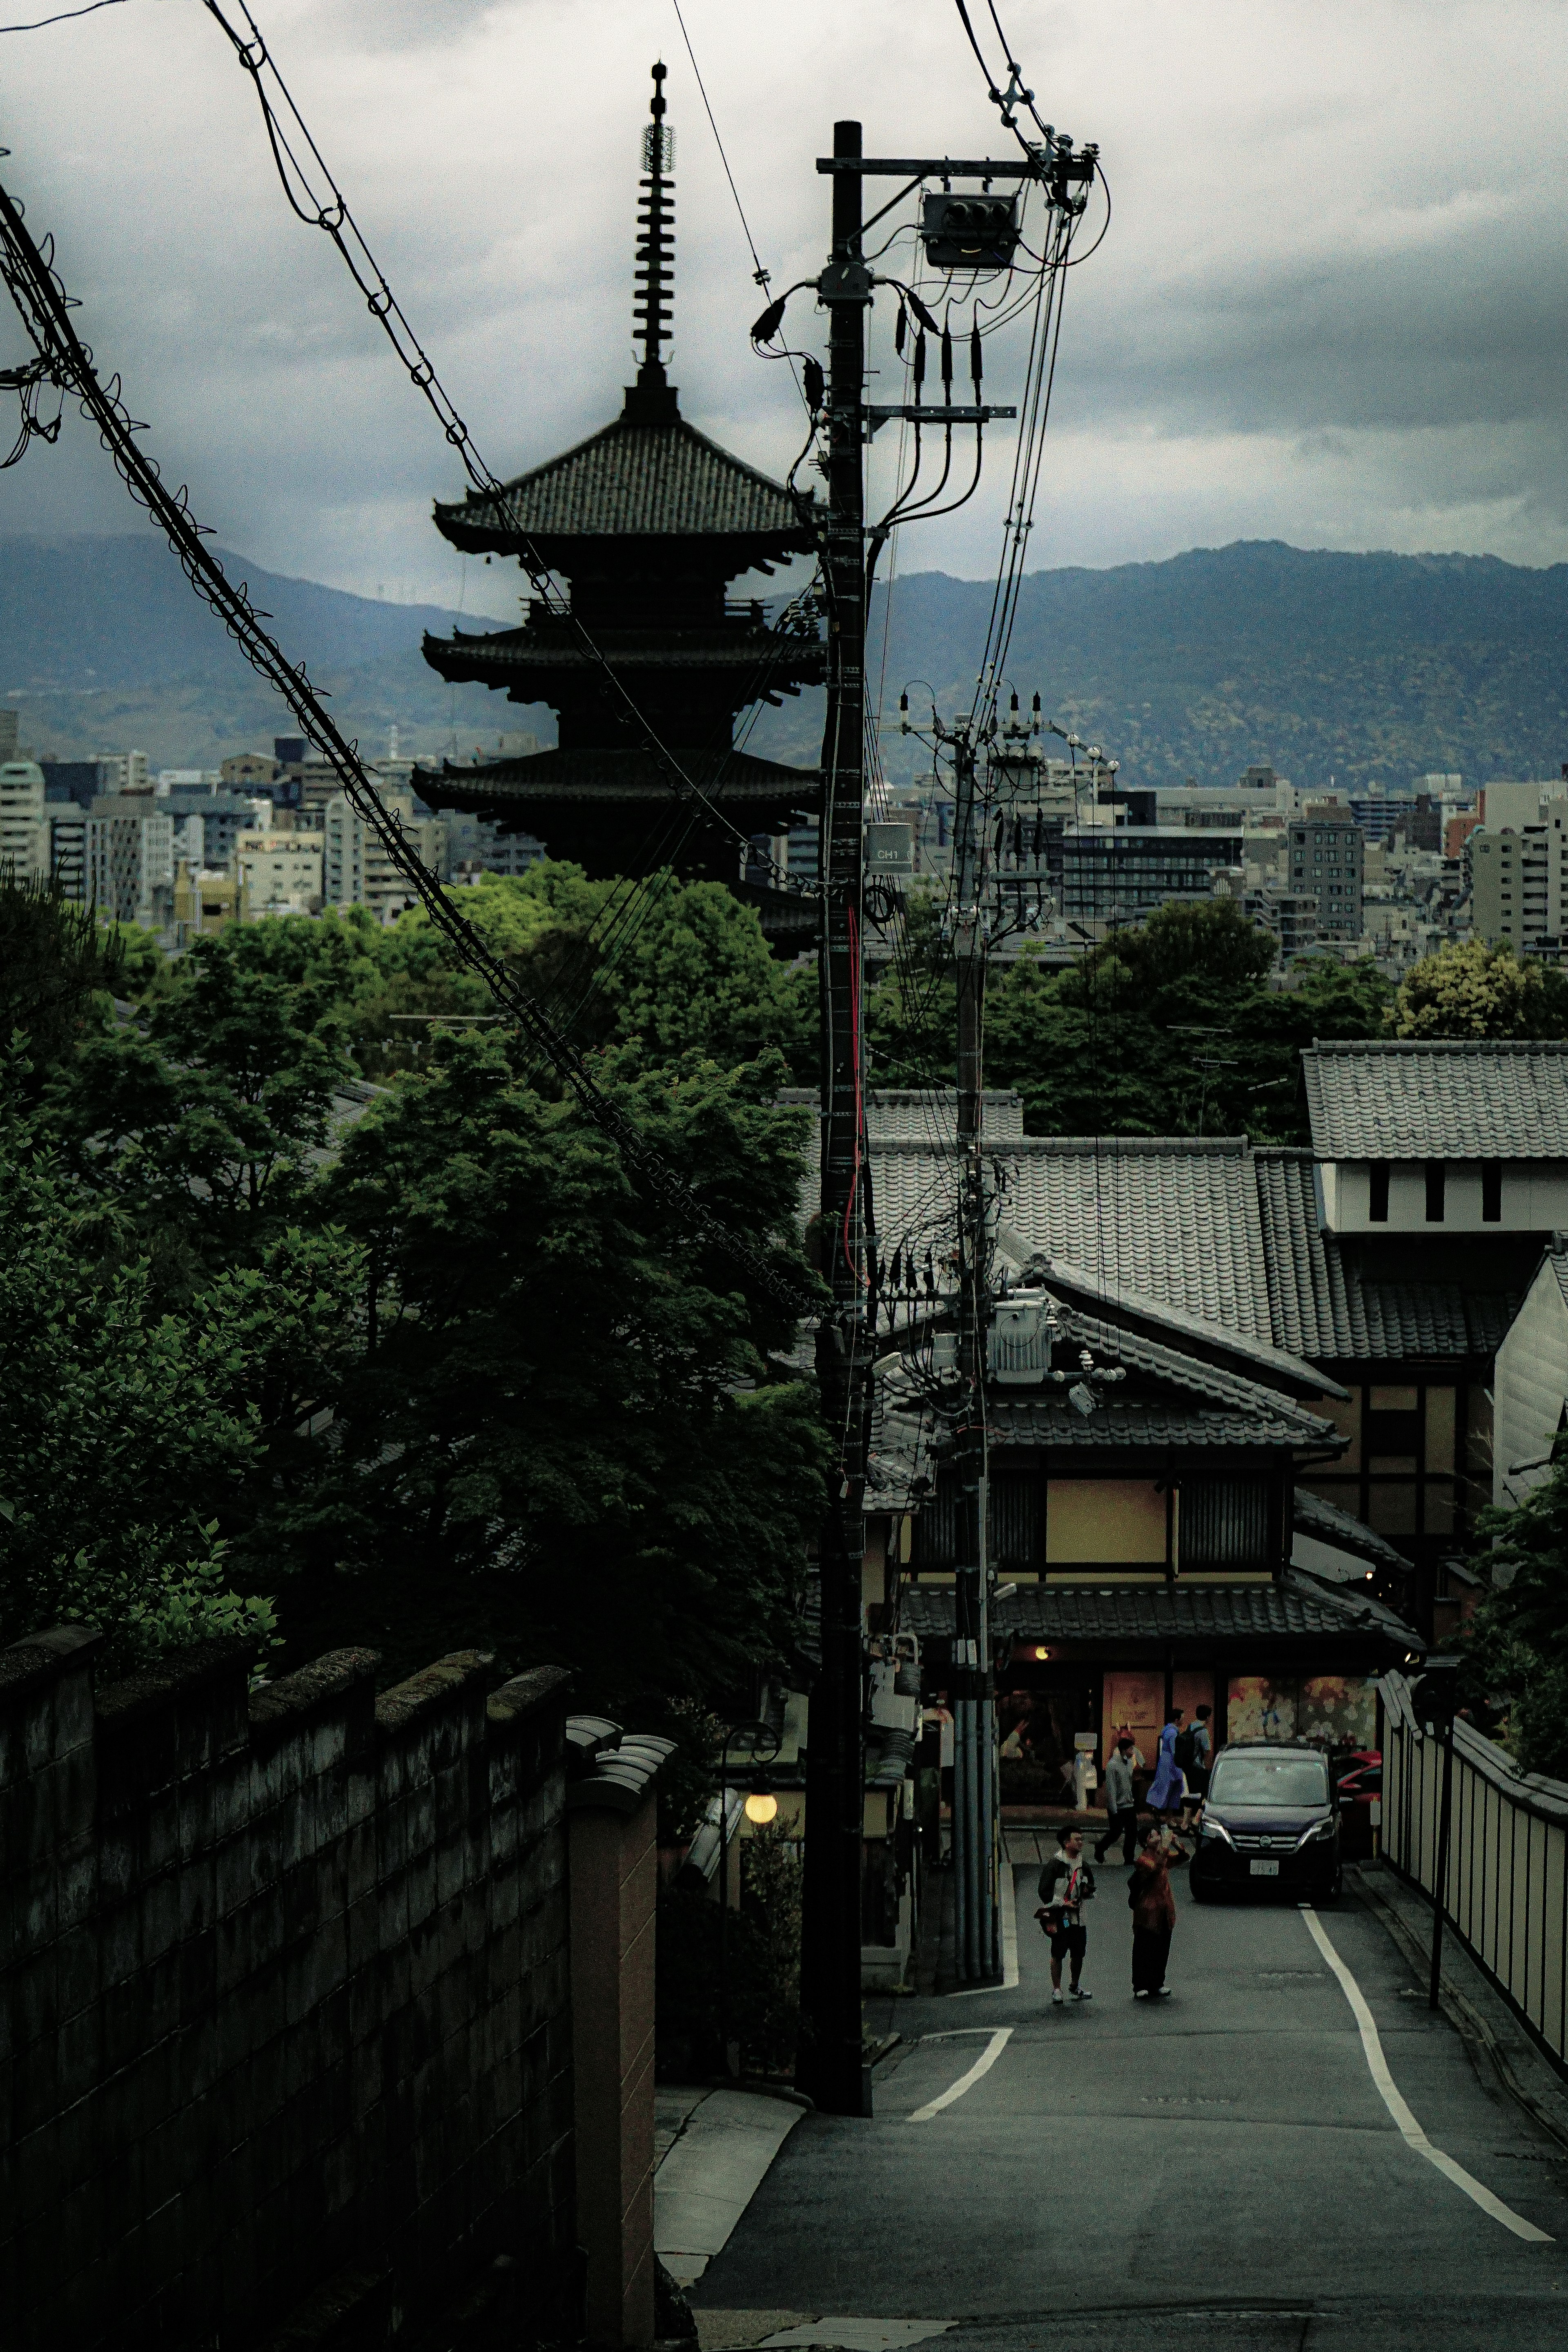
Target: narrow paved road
1220 2168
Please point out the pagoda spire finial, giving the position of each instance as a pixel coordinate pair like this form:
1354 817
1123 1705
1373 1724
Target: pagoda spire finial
653 400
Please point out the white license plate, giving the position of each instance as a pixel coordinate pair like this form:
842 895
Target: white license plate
1264 1869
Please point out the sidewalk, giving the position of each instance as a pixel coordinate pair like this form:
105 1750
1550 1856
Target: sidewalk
712 2152
1497 2042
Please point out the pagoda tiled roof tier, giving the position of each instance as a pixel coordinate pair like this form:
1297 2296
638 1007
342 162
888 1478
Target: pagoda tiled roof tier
649 475
530 660
525 790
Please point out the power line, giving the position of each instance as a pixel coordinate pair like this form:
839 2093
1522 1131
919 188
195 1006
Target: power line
45 308
764 277
63 18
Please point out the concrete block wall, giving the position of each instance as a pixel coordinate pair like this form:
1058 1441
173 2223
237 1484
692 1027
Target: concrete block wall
614 1892
286 1993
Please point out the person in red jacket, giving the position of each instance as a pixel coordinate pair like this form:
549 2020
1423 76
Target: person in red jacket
1153 1913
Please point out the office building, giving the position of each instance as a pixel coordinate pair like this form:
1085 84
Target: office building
1119 874
249 773
124 771
1518 804
279 874
1419 820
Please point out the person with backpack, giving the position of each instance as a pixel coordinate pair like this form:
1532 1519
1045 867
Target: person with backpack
1168 1788
1195 1764
1067 1884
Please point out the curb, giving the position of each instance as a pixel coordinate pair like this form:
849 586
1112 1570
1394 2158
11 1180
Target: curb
1461 2013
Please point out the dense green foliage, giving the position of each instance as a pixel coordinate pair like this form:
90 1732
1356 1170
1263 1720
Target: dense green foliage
1470 989
1169 1030
1517 1641
125 1434
54 958
426 1370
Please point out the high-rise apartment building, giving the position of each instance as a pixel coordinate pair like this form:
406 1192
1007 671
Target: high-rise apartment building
1518 880
356 870
129 858
68 821
24 825
1326 859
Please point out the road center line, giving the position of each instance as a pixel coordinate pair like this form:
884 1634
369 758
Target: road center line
1389 2091
983 2065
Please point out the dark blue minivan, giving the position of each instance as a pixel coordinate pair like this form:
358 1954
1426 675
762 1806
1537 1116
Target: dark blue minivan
1270 1822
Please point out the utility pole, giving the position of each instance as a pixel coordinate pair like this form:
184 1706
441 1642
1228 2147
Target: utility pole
830 2064
976 1915
831 2067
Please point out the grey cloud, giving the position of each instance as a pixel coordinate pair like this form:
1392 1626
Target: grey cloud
1329 309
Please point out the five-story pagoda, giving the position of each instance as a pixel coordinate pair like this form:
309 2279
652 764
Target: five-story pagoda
646 521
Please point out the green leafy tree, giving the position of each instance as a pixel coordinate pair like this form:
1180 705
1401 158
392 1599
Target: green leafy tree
1517 1639
127 1435
681 967
55 959
1471 989
564 1437
198 1127
1171 1029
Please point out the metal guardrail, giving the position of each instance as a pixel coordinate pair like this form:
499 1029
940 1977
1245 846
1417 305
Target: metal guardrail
1506 1894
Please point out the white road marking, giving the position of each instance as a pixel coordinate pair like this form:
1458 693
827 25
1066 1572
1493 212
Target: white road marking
861 2334
1388 2091
1009 1909
983 2065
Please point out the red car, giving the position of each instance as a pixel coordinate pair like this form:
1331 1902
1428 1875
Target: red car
1358 1786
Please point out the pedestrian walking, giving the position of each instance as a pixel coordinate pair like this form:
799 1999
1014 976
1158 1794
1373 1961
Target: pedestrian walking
1067 1884
1153 1913
1120 1803
1195 1754
1165 1790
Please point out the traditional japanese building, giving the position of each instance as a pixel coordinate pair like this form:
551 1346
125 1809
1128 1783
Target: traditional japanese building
648 521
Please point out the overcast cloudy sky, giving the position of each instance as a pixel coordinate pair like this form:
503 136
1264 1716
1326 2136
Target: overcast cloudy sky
1330 308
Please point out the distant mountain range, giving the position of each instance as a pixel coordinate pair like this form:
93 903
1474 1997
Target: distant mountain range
1372 668
103 646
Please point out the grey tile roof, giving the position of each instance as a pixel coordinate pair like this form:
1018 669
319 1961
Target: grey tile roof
1138 1422
1114 1343
590 775
1156 1612
631 478
1173 1220
1322 1304
1258 1359
927 1116
1313 1517
1408 1099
